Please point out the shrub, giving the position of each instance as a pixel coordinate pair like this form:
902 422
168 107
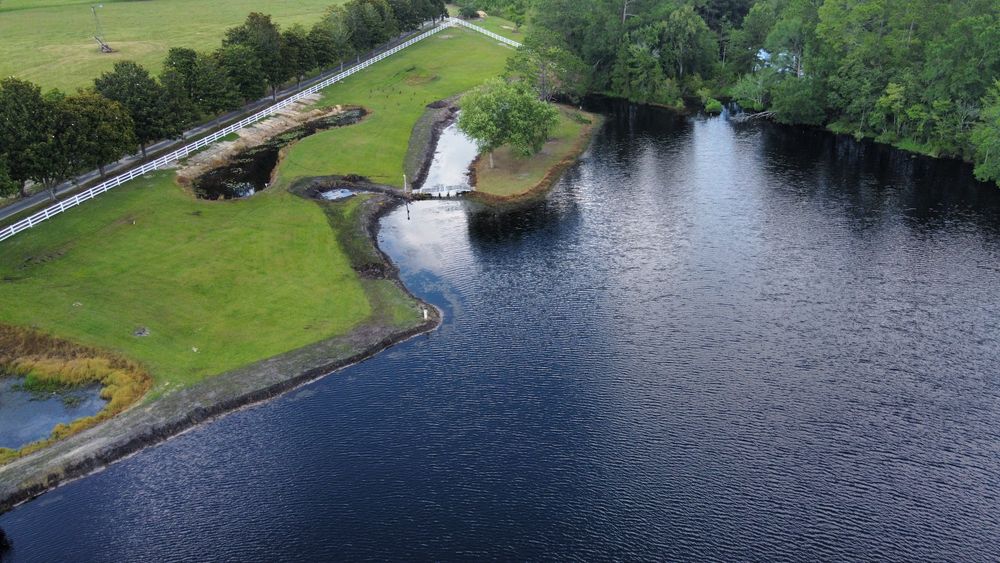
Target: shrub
713 106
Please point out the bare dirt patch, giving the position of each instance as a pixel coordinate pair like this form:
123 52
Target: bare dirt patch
220 153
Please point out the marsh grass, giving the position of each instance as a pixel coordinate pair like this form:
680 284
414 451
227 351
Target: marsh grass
48 363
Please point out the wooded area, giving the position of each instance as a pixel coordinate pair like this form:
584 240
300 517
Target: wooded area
919 74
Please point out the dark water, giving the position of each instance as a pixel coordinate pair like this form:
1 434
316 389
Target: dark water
27 417
709 343
249 171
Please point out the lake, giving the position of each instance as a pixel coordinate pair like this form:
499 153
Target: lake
710 342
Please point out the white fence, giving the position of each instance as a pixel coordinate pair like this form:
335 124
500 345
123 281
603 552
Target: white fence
486 32
178 154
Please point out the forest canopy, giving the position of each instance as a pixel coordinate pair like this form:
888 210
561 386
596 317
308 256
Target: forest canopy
919 74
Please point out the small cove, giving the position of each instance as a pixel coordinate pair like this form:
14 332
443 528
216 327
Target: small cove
448 174
26 416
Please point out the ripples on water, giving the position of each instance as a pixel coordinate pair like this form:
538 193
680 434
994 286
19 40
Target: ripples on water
709 343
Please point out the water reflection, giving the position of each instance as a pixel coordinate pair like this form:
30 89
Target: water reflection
448 174
709 343
26 417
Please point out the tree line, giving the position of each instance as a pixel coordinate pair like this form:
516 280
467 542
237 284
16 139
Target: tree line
919 74
46 138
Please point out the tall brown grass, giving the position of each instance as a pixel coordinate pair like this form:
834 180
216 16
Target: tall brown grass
47 359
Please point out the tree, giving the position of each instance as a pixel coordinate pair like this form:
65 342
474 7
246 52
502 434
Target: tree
100 131
142 97
213 91
551 69
54 157
262 36
243 69
798 100
986 137
688 43
499 113
182 62
23 117
297 53
330 38
8 186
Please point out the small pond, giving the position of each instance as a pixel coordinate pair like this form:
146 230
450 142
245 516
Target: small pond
26 416
448 174
249 171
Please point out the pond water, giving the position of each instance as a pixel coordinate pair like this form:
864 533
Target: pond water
708 343
27 417
448 174
250 170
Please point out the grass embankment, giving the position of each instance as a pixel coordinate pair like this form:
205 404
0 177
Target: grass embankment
396 92
218 284
221 285
514 176
51 43
49 363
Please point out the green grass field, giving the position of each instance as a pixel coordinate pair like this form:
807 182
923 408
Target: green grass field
396 91
514 175
236 281
51 42
223 284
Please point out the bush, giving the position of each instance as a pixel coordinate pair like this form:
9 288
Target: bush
713 106
798 100
468 12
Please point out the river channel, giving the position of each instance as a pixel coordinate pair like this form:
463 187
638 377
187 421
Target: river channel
709 342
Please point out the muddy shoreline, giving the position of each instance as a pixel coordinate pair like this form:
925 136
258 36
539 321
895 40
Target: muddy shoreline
425 137
149 424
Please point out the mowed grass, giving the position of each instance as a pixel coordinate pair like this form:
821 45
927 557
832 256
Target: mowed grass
221 285
218 284
51 42
514 175
396 91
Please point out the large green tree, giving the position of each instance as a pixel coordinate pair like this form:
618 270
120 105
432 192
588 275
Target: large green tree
297 55
100 131
550 68
500 113
24 115
142 97
263 38
243 70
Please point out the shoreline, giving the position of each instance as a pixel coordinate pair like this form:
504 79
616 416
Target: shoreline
148 424
552 174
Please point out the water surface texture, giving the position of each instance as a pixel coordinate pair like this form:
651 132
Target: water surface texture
27 417
709 343
448 174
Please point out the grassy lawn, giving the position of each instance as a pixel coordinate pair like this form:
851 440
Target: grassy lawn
51 42
236 281
223 284
514 175
396 91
